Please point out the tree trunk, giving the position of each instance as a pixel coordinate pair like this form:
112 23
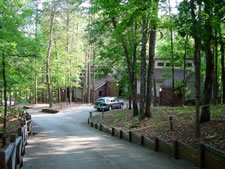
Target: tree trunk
155 94
172 57
151 61
185 55
5 100
130 100
15 97
197 61
205 115
48 57
66 90
215 82
35 85
134 76
134 91
143 67
35 78
88 81
2 96
70 61
31 95
59 89
10 98
131 64
222 67
70 84
93 78
43 90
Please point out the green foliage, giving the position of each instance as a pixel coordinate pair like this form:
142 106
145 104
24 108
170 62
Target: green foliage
218 111
25 46
12 111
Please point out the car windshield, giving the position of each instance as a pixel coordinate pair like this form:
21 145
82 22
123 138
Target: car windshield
100 101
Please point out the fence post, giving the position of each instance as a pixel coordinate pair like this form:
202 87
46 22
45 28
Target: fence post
100 127
29 127
12 138
175 146
22 123
102 114
130 136
88 121
142 140
156 144
90 115
20 131
171 123
2 159
12 160
20 148
202 155
121 134
113 131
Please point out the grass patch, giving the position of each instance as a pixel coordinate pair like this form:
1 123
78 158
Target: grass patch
218 111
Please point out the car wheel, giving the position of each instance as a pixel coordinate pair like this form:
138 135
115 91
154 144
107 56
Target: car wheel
121 106
110 108
98 109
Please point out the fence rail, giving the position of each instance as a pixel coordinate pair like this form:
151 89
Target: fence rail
12 156
205 156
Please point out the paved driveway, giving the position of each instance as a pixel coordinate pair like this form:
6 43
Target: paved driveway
65 141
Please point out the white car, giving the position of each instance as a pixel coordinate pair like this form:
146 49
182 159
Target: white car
108 103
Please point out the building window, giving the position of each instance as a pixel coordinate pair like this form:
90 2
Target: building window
160 64
100 93
189 65
168 64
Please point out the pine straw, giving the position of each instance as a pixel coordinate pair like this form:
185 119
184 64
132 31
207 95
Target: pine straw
12 127
212 133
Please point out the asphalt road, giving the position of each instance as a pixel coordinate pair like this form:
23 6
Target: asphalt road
65 141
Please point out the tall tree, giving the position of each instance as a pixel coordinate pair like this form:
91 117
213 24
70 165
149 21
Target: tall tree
215 82
52 20
131 59
222 66
172 54
5 99
205 115
15 48
143 66
35 76
152 43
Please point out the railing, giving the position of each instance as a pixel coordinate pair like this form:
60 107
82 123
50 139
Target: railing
12 156
204 156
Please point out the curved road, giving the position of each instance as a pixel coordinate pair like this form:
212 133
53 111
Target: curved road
65 141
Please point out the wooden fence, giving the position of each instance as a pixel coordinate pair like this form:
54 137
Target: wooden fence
204 156
12 156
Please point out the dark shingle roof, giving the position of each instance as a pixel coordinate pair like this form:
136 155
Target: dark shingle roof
102 81
165 76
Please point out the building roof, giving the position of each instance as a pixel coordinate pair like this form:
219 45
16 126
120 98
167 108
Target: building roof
101 82
162 74
167 83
